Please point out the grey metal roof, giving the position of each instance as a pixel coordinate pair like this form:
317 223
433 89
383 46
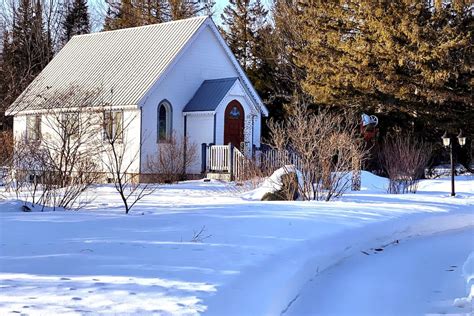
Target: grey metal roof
122 64
209 95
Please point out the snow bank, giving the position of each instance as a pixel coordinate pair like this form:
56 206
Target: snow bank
468 274
273 183
369 183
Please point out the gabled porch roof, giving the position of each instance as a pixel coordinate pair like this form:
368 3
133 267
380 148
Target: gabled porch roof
209 95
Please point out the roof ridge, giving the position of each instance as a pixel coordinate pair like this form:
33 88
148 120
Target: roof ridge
203 17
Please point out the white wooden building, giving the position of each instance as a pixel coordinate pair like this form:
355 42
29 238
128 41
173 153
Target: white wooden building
177 77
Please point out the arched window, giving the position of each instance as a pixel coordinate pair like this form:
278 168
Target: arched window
164 121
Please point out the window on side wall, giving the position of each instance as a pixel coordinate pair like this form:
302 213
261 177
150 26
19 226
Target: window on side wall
71 124
113 125
33 127
164 114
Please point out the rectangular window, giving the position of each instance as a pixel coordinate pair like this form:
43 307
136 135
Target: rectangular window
113 125
70 124
33 127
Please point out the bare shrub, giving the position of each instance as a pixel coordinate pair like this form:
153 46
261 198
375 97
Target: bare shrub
26 167
172 159
404 159
322 146
72 148
61 161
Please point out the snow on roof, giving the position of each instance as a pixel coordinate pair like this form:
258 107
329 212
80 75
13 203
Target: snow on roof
210 94
122 64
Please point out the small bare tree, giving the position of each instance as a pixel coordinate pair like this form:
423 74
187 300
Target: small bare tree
172 159
404 159
121 157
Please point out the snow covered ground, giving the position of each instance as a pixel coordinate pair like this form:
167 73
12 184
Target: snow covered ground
253 258
416 277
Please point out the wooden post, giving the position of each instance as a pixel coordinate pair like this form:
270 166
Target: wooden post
231 160
203 157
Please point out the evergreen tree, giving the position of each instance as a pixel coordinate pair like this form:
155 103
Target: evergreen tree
401 58
244 22
76 20
28 49
131 13
179 9
121 15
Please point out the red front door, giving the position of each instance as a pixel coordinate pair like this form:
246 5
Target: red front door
234 124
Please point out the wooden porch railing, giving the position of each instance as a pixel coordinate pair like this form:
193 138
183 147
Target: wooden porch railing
238 164
218 158
223 159
228 159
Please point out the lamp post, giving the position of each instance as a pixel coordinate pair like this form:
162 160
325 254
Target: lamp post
447 142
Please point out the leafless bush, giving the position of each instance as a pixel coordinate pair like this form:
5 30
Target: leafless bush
172 159
26 167
404 159
61 161
323 147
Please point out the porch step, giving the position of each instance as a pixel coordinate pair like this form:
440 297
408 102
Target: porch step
223 176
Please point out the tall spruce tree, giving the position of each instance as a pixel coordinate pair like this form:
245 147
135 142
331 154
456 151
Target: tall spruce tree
244 24
179 9
405 59
131 13
27 49
76 20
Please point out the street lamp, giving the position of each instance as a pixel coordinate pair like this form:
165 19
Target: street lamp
448 143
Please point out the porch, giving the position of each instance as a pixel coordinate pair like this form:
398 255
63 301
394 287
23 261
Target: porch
229 163
223 162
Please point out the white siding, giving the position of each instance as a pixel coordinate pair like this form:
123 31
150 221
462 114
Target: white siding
131 119
19 126
203 59
199 130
